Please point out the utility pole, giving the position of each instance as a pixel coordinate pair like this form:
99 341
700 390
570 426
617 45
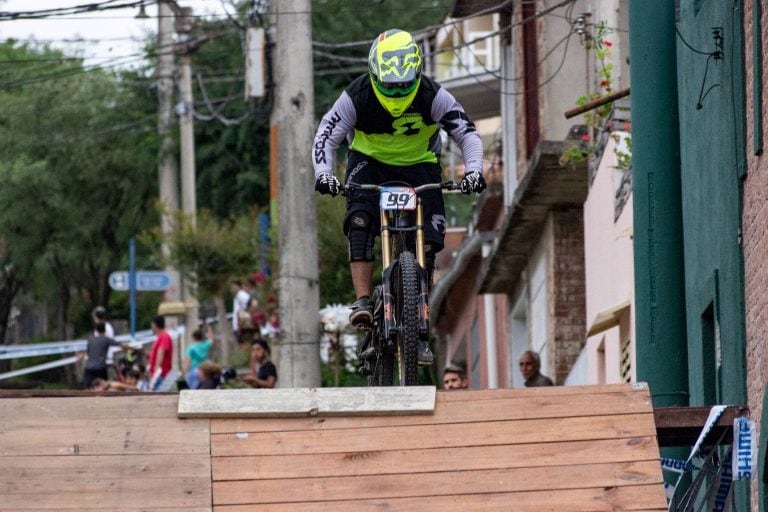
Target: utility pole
292 125
185 110
167 172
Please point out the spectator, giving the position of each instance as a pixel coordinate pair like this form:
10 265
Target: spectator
197 352
263 372
96 354
99 316
161 354
210 376
98 384
142 384
530 364
454 377
239 303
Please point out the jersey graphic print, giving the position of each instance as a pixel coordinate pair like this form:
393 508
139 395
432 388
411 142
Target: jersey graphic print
409 124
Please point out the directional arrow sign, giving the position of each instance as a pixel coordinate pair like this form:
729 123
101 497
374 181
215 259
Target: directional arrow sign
152 280
146 281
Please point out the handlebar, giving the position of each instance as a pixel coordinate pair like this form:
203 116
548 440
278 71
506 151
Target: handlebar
445 185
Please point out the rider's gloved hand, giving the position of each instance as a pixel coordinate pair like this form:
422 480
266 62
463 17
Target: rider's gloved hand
472 182
328 184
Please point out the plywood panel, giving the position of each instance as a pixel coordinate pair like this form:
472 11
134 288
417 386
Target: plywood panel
434 436
124 453
18 410
109 437
461 411
75 483
630 498
419 461
437 484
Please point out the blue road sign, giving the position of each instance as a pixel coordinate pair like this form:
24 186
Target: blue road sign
118 281
146 281
152 280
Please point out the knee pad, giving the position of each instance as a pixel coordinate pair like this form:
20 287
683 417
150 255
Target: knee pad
360 237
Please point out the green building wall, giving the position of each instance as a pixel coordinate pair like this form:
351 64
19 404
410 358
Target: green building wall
712 167
713 161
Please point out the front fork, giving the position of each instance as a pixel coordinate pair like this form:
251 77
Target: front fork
390 322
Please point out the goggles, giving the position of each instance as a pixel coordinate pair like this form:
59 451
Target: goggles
396 89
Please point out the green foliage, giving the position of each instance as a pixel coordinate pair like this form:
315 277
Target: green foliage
209 252
232 140
335 279
600 47
78 175
338 21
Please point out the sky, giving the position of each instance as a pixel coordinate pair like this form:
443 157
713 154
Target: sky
111 38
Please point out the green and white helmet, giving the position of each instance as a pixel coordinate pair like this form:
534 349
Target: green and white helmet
395 67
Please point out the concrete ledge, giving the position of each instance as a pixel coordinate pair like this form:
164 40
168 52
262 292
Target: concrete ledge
293 402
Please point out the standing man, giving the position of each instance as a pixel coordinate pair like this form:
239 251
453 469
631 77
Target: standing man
96 354
241 299
99 316
160 355
392 117
530 366
454 377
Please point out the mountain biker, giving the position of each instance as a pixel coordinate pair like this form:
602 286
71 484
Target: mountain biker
391 117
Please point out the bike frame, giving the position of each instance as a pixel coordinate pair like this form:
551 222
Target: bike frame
389 331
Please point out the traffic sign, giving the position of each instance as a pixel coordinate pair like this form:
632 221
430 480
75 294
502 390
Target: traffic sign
146 281
118 281
152 280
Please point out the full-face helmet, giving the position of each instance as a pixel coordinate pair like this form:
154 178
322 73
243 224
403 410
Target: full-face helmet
395 68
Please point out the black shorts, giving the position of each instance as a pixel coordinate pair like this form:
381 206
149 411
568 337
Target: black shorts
362 169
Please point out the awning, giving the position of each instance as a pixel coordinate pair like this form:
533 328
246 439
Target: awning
608 318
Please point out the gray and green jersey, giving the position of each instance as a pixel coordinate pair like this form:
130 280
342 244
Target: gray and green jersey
412 138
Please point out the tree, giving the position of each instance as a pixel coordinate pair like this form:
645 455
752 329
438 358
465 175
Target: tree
210 253
78 176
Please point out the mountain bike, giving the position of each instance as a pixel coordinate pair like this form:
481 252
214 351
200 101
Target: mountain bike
401 302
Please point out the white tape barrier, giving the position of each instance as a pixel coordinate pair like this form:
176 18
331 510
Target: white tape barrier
745 448
739 467
141 339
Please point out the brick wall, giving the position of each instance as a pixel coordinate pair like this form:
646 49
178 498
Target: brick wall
568 290
755 236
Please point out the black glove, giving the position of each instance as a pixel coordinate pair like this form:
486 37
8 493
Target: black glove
328 184
472 182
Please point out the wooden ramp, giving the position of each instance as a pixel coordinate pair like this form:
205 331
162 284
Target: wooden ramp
564 449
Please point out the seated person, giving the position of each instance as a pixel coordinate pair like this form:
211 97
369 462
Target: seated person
210 375
263 372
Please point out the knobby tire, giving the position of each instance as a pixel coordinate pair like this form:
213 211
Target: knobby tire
407 301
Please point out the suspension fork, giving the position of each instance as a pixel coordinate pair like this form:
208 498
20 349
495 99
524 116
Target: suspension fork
423 273
387 298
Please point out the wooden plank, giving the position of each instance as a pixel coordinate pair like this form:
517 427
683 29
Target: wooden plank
490 394
14 410
290 402
681 426
75 483
108 437
434 436
446 483
648 498
500 409
421 461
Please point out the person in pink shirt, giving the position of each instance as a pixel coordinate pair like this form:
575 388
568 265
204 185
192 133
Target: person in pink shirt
160 355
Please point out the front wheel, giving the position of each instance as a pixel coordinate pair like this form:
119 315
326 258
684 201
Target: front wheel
406 291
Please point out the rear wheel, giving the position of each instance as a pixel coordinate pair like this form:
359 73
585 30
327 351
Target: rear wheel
382 362
382 369
407 313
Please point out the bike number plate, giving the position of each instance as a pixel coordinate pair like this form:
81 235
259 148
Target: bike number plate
398 198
